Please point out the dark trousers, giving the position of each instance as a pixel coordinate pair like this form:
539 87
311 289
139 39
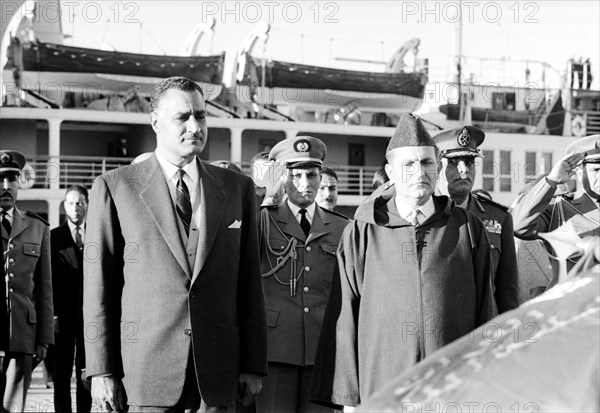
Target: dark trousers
286 390
69 346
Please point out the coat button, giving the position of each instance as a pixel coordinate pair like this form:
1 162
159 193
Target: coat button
11 275
10 290
307 268
11 246
306 309
308 248
192 294
11 260
305 289
187 332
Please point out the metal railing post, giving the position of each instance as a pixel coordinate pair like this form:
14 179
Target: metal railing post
360 181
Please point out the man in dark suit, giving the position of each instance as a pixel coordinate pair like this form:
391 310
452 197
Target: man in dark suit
173 301
67 284
28 278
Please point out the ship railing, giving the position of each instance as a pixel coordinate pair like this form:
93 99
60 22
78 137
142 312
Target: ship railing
61 172
591 120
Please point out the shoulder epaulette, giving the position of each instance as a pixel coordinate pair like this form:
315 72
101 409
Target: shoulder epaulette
336 213
486 200
34 215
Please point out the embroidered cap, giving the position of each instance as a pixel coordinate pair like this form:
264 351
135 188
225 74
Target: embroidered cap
11 162
301 151
463 141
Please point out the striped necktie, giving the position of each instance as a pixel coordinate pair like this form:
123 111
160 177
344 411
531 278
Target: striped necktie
413 217
184 205
78 239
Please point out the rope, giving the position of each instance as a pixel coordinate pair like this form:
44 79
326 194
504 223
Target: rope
283 256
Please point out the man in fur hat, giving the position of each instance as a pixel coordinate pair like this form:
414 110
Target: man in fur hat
414 275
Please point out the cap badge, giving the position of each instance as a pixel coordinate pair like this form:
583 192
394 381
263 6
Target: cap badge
5 158
302 145
464 138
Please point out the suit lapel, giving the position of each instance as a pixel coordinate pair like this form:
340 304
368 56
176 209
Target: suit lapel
320 225
157 199
19 223
288 222
212 206
68 248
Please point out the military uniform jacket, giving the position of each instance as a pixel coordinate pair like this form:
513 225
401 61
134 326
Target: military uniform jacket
295 315
401 293
29 282
499 226
537 212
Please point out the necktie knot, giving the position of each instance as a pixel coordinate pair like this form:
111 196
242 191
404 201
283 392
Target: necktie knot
78 238
413 217
304 224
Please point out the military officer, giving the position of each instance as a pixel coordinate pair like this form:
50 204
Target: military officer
26 246
537 211
459 148
298 243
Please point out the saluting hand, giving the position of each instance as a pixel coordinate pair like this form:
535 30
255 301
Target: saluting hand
565 168
272 181
109 393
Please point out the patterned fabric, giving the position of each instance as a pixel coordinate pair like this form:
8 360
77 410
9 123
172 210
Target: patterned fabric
184 205
78 240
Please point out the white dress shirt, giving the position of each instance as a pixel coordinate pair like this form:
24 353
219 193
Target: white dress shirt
310 211
73 229
423 212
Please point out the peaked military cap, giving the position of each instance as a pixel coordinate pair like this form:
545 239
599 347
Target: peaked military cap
11 162
226 165
410 132
301 151
463 141
590 145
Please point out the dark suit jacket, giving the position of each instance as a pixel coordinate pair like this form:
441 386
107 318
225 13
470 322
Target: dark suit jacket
145 311
67 277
